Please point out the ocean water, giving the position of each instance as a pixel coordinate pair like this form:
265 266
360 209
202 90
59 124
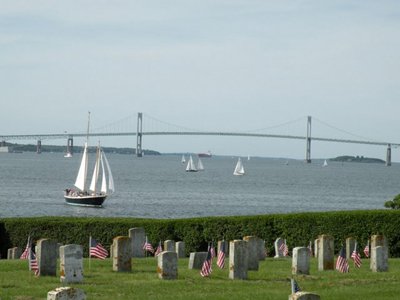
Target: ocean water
158 186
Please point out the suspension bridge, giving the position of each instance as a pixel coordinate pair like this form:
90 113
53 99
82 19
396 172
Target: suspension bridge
140 133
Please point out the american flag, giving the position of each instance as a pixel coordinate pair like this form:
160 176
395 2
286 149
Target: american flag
148 247
211 249
206 268
221 256
284 248
158 249
341 263
33 265
356 257
25 254
366 250
96 249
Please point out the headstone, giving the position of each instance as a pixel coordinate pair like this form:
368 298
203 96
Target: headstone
122 254
301 261
196 260
238 259
169 245
66 293
350 243
379 240
252 252
278 250
379 260
46 255
180 249
219 245
14 253
71 263
167 265
325 253
138 238
261 249
304 296
316 247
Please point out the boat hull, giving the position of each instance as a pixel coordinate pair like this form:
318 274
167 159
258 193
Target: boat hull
89 200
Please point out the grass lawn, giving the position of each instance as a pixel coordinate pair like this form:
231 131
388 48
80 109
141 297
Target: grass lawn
272 281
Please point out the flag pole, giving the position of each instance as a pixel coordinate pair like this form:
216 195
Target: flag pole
90 243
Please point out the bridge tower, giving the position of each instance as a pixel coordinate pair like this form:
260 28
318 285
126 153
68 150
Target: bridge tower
308 140
70 145
389 155
139 134
39 147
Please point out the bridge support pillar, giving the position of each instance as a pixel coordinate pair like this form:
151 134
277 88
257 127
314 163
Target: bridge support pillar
70 145
39 147
389 155
139 134
308 140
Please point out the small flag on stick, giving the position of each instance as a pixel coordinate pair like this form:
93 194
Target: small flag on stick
295 286
206 268
148 247
26 253
96 249
356 257
221 256
341 263
33 265
158 249
366 250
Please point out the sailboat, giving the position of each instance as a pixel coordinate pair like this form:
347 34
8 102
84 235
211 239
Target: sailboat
239 169
191 166
200 166
325 164
183 160
68 154
95 194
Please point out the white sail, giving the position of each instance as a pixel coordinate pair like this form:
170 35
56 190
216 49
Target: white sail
239 169
200 166
183 160
80 181
325 163
96 171
111 188
190 166
103 176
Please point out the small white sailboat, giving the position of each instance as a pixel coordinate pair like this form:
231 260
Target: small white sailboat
68 155
200 166
239 169
97 192
183 160
325 164
191 166
248 157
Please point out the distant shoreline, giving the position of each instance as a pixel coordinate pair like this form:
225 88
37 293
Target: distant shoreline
358 159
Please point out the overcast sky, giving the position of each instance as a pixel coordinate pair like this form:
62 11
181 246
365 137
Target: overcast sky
229 65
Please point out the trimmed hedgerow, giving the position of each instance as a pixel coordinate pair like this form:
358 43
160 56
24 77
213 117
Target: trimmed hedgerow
298 229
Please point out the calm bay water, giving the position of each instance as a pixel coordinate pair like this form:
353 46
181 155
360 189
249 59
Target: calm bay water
159 187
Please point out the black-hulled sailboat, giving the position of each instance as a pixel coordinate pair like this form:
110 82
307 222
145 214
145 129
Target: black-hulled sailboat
98 190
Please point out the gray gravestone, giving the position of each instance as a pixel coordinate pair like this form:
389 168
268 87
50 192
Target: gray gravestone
169 245
180 249
167 265
325 252
238 259
196 260
261 249
379 260
252 253
14 253
304 296
278 251
46 256
122 254
379 240
66 293
350 243
138 238
71 264
316 247
301 261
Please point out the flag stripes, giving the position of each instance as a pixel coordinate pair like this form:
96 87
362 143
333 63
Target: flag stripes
96 249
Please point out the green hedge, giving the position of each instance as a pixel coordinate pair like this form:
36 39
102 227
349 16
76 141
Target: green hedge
298 229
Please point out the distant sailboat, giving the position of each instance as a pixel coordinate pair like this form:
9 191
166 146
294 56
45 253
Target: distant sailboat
191 166
325 164
248 157
183 160
94 195
239 169
200 166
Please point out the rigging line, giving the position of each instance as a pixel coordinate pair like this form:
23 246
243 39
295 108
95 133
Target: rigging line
171 124
276 126
115 123
344 131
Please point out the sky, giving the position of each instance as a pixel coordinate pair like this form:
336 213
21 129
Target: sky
238 65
